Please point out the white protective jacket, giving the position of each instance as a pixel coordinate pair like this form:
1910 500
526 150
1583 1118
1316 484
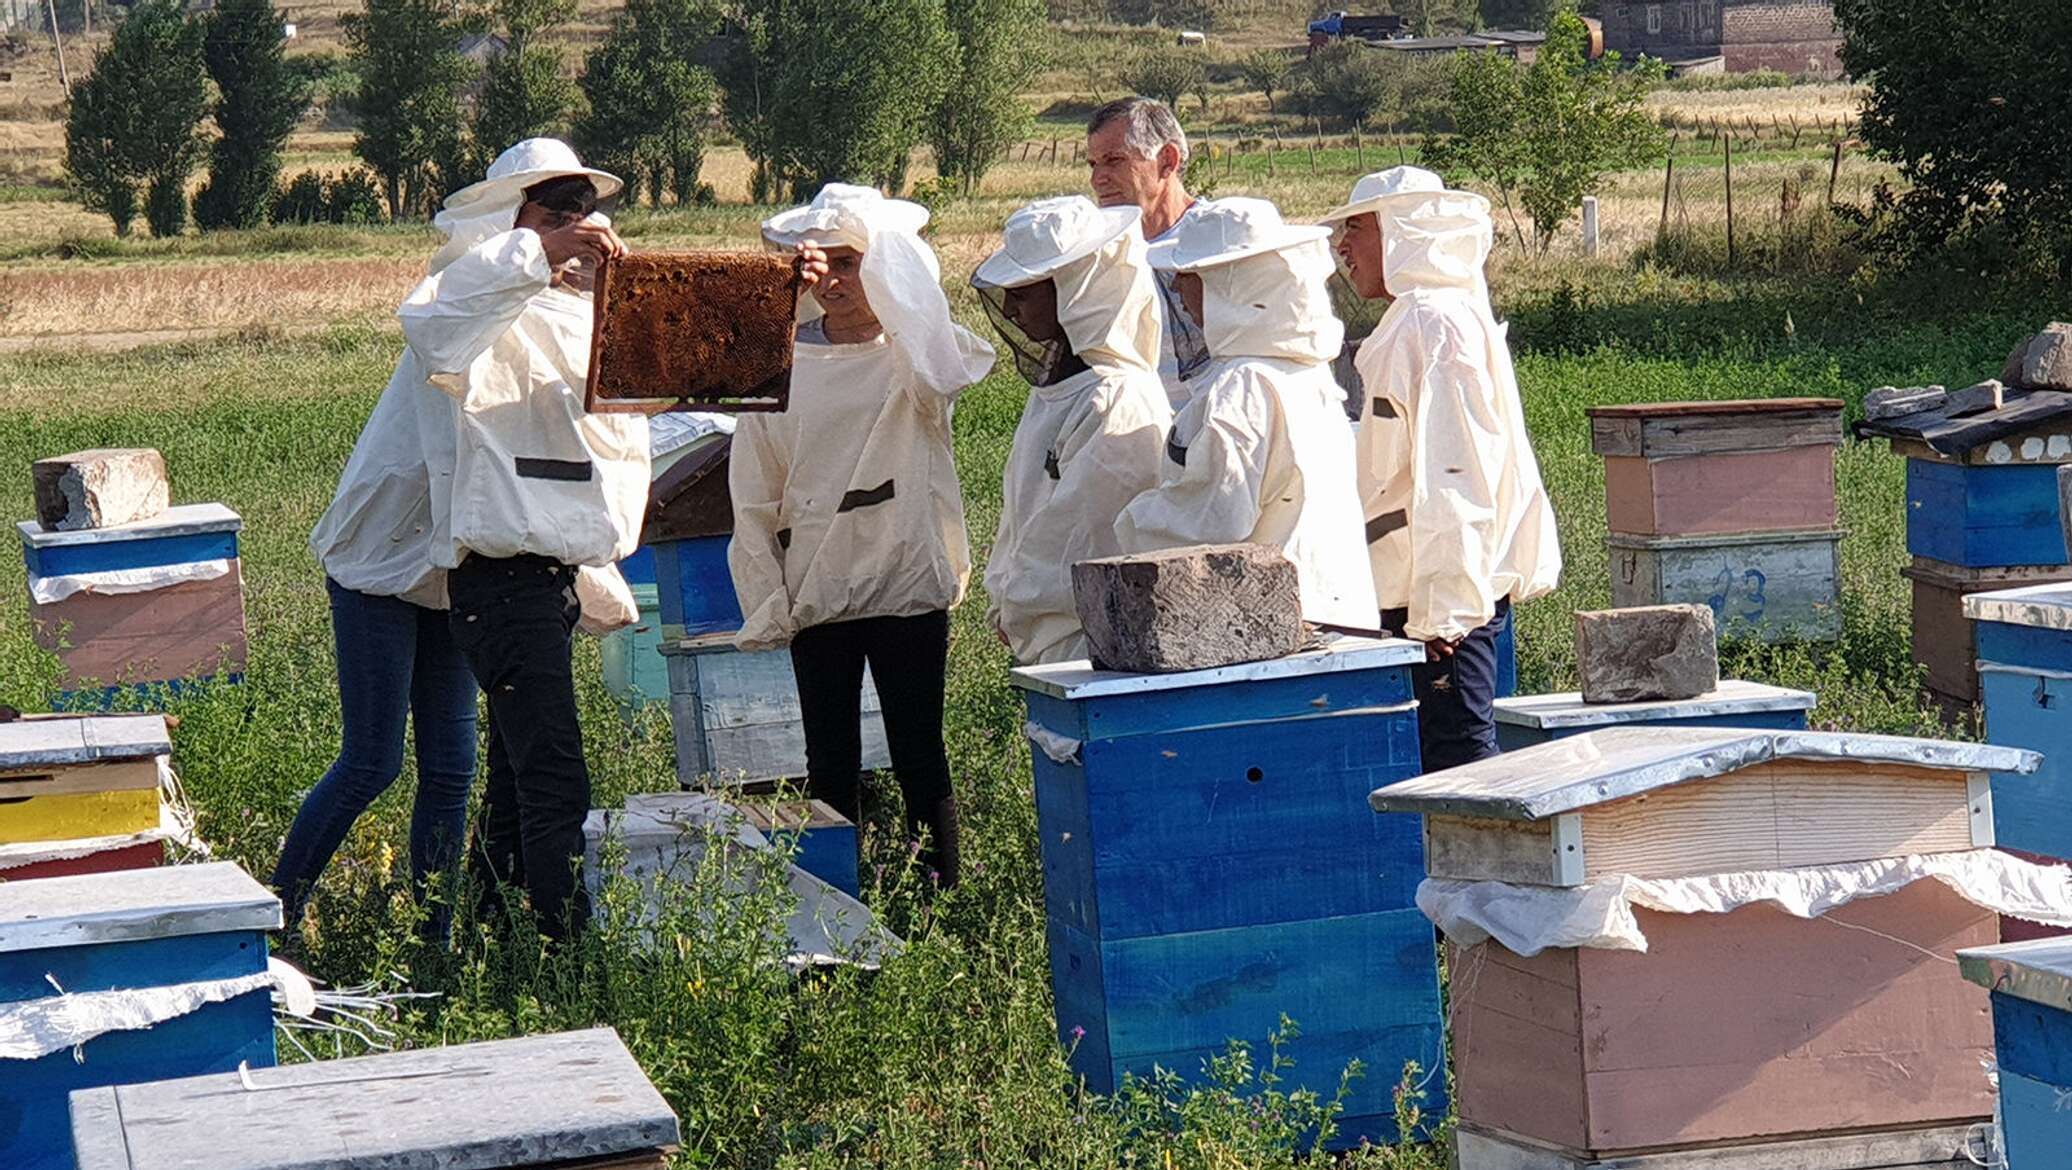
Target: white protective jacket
1262 453
531 471
1086 446
1457 517
847 505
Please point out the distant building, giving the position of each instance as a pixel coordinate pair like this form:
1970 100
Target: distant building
1791 36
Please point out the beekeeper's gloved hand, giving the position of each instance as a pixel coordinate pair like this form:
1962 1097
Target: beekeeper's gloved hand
582 240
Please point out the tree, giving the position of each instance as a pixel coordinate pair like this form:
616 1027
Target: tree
1165 72
1354 82
135 122
827 90
524 94
407 55
648 103
1431 18
983 113
259 100
1972 112
1546 136
1520 14
1266 70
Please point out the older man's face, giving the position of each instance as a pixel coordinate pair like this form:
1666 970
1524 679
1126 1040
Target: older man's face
1118 176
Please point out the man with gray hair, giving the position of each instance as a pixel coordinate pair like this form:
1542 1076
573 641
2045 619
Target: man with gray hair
1136 155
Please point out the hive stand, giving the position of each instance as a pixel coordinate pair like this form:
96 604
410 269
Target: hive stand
1745 1040
130 930
572 1101
1729 504
2031 984
1529 719
107 635
1983 514
2025 678
80 794
1208 865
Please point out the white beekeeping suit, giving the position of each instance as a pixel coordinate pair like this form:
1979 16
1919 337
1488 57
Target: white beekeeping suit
1457 516
514 463
1262 452
1090 437
846 505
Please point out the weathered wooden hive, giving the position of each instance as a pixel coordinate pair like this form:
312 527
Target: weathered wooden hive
82 794
1729 504
705 331
1627 979
1524 720
117 978
571 1101
154 602
2031 984
2024 646
1208 865
1982 514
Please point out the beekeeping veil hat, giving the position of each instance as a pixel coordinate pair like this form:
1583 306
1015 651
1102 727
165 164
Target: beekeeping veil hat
1374 192
1265 282
901 278
1107 297
490 208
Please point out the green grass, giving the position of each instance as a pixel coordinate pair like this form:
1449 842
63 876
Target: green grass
946 1057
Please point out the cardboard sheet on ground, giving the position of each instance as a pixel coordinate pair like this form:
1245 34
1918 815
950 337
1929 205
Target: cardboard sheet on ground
1529 919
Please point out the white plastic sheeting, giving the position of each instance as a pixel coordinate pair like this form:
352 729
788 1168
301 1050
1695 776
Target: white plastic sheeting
1062 749
113 582
1530 919
32 1029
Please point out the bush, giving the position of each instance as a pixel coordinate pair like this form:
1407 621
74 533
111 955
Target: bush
1165 72
353 198
135 122
301 201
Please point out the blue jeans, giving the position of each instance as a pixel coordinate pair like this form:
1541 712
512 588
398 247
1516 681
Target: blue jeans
396 663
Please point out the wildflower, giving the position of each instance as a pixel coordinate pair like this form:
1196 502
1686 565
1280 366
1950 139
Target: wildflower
1078 1033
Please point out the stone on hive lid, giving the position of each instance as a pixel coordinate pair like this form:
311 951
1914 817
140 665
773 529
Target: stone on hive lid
102 488
573 1098
2047 359
1647 652
1897 402
2017 358
1189 608
1977 399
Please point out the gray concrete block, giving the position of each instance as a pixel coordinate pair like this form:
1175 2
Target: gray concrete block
1898 402
1189 608
1987 395
103 488
1647 653
2047 362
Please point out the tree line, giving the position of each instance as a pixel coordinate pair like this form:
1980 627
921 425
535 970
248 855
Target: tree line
814 90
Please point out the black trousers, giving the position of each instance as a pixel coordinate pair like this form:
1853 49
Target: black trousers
513 619
909 661
1456 696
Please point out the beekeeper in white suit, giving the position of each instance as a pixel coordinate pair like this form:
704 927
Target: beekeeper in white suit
1262 452
1458 523
536 489
1074 298
849 544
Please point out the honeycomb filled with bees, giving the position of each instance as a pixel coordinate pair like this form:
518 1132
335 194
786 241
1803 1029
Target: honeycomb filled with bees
693 331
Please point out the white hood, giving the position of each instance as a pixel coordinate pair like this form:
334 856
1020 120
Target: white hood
1108 304
1275 304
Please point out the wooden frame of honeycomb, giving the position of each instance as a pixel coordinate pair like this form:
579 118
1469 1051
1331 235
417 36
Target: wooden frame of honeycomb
705 331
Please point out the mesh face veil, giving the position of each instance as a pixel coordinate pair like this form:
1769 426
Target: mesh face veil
1190 348
1040 363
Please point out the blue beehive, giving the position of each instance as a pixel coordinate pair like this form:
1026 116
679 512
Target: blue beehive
1529 719
2032 1044
181 951
2025 674
1209 865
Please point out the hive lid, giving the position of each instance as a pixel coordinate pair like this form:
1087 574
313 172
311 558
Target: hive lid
1073 681
1568 710
534 1101
132 905
1597 767
180 520
2039 970
2022 410
70 740
1724 540
1724 406
1653 429
2047 607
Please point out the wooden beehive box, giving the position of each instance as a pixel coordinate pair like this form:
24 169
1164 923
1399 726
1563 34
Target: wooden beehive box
1712 468
138 932
572 1101
1782 586
2031 984
1762 1038
1944 640
2025 677
1207 867
822 841
1982 486
107 629
80 794
1524 720
705 331
735 714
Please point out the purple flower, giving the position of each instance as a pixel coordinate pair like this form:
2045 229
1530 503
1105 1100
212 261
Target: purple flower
1078 1033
